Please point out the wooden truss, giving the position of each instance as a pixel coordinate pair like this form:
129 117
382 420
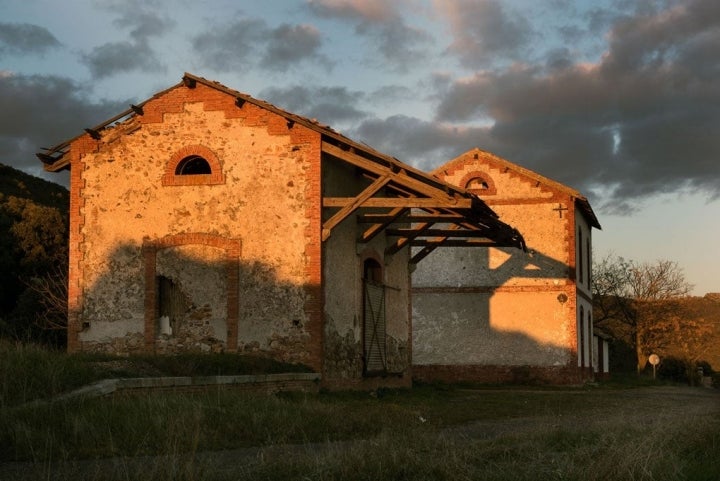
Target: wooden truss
414 209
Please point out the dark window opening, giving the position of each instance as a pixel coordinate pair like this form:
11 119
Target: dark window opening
171 305
580 257
193 165
372 271
477 184
589 263
581 342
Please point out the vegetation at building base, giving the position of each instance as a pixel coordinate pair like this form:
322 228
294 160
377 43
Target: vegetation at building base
33 258
30 372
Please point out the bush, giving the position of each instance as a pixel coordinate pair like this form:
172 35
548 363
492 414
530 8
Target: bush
673 369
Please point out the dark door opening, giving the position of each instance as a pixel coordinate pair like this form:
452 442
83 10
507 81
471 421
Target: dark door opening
374 321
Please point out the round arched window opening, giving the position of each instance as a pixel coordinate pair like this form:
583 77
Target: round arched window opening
478 183
372 271
193 165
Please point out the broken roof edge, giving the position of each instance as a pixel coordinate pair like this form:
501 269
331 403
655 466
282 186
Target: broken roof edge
580 199
58 163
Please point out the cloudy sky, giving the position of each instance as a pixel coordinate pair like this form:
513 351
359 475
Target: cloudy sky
619 99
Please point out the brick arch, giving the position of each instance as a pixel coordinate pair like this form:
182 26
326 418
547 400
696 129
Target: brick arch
476 174
232 248
215 177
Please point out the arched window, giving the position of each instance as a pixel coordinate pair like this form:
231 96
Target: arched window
193 165
478 183
372 271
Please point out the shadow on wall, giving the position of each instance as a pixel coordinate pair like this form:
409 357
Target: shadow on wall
192 297
509 309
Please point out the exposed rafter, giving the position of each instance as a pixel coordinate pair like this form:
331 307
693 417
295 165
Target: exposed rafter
351 207
410 183
381 222
391 202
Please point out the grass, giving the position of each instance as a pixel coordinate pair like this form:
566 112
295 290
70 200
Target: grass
29 372
430 432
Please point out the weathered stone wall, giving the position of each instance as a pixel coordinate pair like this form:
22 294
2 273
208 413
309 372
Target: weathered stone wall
491 308
343 362
259 201
501 328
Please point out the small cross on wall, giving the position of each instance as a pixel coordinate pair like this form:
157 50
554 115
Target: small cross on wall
559 209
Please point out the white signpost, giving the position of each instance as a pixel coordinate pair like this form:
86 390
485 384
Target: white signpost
654 360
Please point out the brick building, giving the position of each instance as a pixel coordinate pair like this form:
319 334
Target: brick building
501 315
204 219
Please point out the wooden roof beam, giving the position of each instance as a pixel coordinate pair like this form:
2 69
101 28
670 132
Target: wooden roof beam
440 233
389 202
401 177
405 241
378 227
351 207
458 243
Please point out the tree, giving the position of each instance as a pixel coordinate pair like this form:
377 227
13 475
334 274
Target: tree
628 298
33 263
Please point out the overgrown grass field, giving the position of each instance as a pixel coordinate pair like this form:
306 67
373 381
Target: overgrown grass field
603 432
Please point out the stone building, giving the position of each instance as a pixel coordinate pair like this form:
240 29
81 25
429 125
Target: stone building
501 315
206 220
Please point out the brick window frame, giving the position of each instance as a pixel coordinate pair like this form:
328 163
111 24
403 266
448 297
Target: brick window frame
232 248
478 175
215 177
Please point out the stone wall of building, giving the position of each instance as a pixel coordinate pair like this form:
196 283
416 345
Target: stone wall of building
487 310
236 245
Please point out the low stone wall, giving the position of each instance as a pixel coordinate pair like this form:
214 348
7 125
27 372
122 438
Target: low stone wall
269 383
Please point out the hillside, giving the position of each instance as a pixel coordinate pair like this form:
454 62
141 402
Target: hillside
16 183
33 249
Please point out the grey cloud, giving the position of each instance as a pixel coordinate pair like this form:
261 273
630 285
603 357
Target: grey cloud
25 38
118 57
142 17
230 46
144 25
389 93
329 105
237 44
484 31
644 120
290 44
399 44
135 54
42 111
425 145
